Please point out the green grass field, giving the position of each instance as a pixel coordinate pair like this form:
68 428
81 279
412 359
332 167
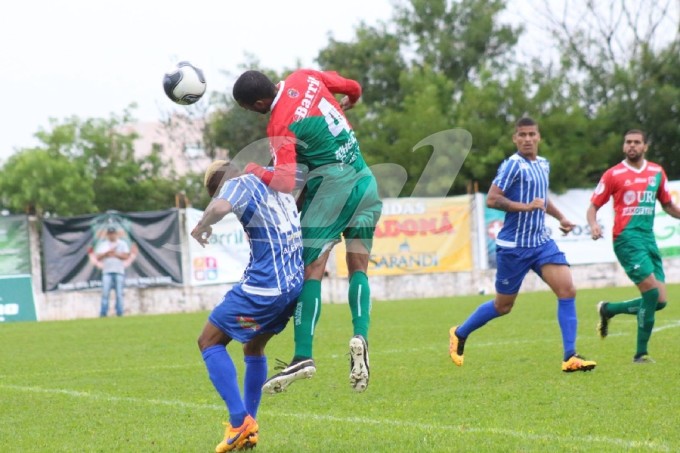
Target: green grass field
138 384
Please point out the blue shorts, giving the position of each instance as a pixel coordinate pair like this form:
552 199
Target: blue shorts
514 264
242 316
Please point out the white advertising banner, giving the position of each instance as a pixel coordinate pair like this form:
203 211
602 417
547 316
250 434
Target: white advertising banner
578 245
224 258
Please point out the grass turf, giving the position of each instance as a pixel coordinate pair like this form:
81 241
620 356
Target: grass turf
138 384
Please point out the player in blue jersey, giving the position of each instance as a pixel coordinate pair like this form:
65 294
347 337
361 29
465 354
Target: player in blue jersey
521 190
260 305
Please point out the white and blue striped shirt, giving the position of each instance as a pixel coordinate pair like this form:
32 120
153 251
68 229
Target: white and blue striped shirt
523 180
272 223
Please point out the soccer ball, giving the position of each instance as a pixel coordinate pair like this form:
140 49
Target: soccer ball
185 84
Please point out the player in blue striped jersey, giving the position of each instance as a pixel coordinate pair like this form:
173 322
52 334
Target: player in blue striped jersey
260 305
521 190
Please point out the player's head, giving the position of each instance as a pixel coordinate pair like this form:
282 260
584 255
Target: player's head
526 136
254 91
218 172
112 232
635 145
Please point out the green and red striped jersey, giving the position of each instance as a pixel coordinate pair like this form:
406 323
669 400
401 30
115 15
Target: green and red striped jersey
635 192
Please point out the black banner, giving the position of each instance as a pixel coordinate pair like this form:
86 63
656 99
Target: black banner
68 246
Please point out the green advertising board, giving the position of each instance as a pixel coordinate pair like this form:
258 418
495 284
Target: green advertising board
16 299
15 254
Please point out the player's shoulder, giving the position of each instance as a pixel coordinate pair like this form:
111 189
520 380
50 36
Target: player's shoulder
653 167
617 170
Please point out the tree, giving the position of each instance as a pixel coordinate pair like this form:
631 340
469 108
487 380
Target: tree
35 181
86 166
413 70
623 60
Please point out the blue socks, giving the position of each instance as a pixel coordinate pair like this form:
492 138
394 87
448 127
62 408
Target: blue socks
253 380
484 313
566 317
222 373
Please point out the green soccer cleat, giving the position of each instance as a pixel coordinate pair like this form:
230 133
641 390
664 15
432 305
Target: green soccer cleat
577 363
456 346
243 437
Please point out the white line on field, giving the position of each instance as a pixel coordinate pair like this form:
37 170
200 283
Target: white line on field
461 429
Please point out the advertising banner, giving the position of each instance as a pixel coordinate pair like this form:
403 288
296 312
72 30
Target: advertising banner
493 221
224 258
419 235
578 245
667 228
15 250
16 299
69 245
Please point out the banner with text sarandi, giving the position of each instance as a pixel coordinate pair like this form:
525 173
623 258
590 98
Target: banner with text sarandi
417 236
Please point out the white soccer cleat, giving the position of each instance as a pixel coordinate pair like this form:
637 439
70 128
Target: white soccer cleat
359 369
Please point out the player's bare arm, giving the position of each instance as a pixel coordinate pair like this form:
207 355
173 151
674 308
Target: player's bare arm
672 210
496 199
591 216
565 224
215 212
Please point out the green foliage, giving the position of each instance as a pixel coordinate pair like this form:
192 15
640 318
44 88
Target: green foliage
86 166
374 59
142 386
37 181
455 38
646 95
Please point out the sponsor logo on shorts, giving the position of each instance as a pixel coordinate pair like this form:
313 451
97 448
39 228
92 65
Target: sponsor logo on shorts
247 322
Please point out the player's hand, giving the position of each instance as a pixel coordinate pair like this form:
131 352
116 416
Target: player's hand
566 226
595 232
345 103
201 234
537 203
253 168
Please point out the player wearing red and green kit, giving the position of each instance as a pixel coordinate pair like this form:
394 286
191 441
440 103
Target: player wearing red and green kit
308 131
634 184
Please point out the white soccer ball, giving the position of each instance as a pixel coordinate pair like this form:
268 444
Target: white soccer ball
185 84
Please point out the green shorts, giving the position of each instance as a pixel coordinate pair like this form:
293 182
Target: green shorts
338 200
639 256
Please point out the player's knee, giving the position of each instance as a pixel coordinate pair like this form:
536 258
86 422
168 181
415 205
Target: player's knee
503 308
253 349
202 343
660 306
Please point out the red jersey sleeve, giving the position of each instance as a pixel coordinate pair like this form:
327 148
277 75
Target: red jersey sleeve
603 191
338 84
664 193
282 145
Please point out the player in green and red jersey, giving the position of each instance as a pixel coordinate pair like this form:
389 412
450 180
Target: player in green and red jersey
308 129
635 184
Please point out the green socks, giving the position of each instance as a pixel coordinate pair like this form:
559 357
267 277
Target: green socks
629 307
306 316
359 296
645 319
